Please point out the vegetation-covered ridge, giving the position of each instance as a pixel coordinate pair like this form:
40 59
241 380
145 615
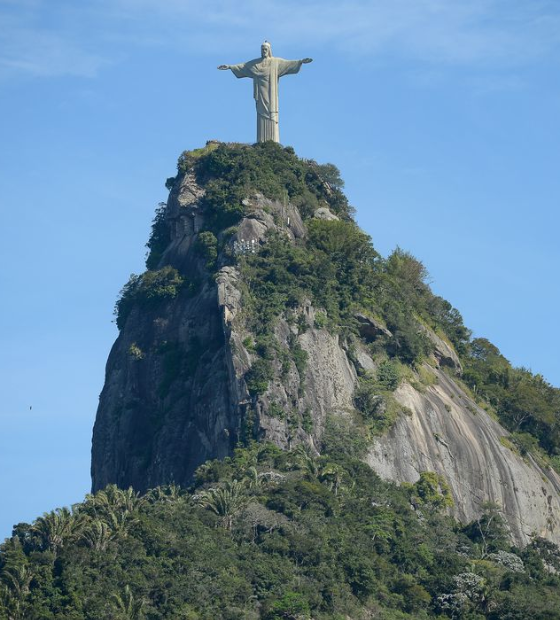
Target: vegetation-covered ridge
275 535
338 269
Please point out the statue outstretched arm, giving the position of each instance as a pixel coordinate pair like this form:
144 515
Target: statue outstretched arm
287 67
240 71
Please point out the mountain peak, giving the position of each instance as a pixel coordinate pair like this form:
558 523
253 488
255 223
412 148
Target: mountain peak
266 314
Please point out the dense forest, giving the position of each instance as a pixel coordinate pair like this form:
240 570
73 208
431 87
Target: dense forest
272 534
294 534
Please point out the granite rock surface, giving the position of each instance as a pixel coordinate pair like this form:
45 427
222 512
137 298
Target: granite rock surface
175 392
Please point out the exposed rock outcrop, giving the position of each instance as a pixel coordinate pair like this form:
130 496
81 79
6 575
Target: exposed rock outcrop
324 213
448 433
175 393
176 390
443 351
370 329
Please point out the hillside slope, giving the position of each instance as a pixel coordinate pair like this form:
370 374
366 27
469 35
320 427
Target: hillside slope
266 312
272 535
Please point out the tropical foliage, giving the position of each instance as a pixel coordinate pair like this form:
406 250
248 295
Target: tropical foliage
337 268
525 403
147 290
159 237
230 173
271 534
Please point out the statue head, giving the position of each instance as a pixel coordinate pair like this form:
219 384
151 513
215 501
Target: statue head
266 50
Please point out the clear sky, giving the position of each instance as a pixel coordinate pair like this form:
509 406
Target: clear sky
443 116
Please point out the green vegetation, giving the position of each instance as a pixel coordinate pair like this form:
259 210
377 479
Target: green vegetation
337 268
388 375
275 535
259 376
160 238
231 173
373 398
188 159
432 490
320 321
147 289
135 352
282 275
207 245
270 534
339 271
526 404
299 357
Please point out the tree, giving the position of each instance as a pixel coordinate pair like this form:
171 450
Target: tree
330 174
55 528
127 606
207 245
147 289
292 606
333 476
489 532
112 497
15 591
117 508
97 535
159 237
433 491
167 494
409 274
226 501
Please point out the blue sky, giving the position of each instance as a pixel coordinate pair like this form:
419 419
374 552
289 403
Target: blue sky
443 117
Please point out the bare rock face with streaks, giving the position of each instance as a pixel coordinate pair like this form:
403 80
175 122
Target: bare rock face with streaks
177 391
446 432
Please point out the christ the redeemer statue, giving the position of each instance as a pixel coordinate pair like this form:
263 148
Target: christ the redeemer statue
266 71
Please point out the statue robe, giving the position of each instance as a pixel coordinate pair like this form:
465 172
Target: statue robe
265 73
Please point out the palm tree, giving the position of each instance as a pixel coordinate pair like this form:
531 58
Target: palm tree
55 528
253 479
18 580
117 507
112 497
307 460
97 535
127 605
333 475
225 501
169 493
14 593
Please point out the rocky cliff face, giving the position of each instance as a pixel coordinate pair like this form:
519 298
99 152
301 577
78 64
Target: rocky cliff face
176 390
175 393
448 433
